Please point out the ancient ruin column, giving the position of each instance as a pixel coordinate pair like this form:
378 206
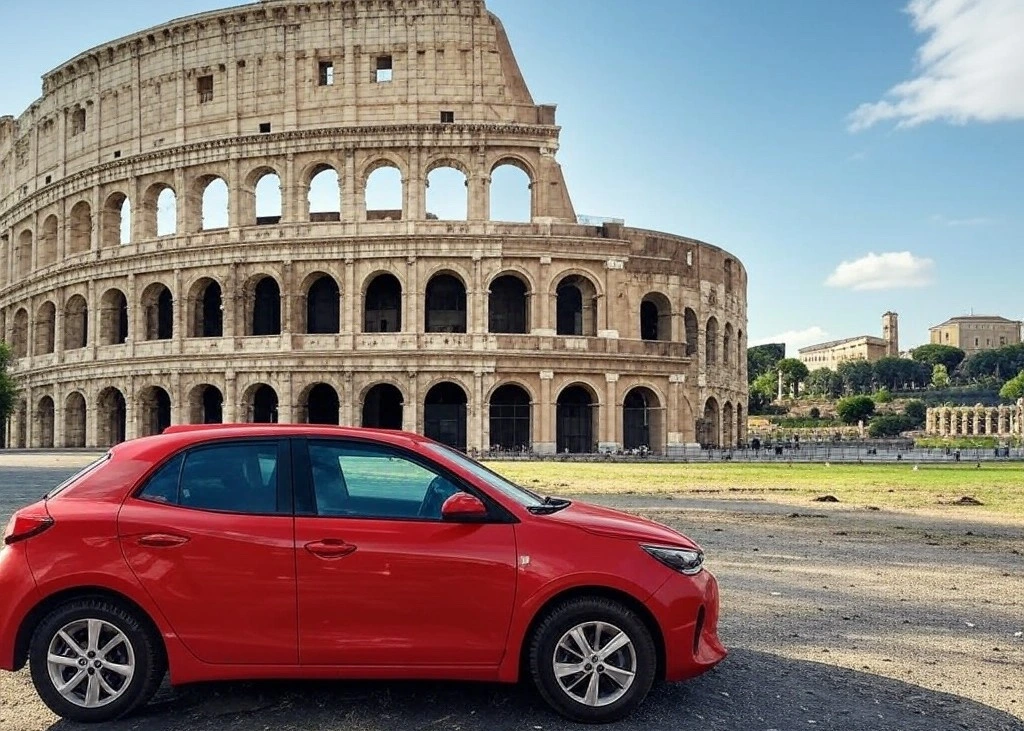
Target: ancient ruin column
607 418
544 416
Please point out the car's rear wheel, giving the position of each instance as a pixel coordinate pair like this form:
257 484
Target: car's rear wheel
94 660
593 659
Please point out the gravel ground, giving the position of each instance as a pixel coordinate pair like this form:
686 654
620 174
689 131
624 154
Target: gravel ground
836 619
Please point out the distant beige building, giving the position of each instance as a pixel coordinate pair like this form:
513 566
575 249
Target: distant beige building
974 333
863 347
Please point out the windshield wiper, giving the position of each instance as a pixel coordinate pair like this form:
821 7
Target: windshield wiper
550 505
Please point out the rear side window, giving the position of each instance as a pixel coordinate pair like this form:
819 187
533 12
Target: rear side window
240 477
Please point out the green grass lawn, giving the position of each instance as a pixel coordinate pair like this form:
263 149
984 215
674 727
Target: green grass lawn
999 486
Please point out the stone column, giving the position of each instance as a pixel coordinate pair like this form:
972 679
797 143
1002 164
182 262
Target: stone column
349 298
543 301
353 190
411 409
414 185
475 427
230 411
608 414
412 298
58 332
544 416
179 304
479 187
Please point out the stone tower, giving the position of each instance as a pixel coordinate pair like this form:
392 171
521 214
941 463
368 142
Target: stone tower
891 333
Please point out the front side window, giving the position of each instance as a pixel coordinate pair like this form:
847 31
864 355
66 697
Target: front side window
238 477
371 481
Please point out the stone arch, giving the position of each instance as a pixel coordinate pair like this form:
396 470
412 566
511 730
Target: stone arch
382 303
383 406
692 331
655 317
741 425
444 414
112 413
113 317
384 186
322 312
447 190
76 322
205 404
213 196
577 423
116 221
262 305
74 420
709 426
711 341
154 411
445 303
159 211
20 426
47 254
261 404
511 418
44 423
727 344
23 255
728 426
576 305
80 229
508 303
643 423
46 328
19 333
320 404
205 309
512 190
158 312
741 358
264 201
323 193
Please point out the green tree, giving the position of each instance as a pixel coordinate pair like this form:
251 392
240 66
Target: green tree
882 395
853 409
890 425
1013 389
8 389
793 372
857 376
762 392
762 359
999 363
940 376
824 382
935 354
916 413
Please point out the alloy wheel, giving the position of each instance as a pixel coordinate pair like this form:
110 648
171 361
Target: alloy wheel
91 662
595 663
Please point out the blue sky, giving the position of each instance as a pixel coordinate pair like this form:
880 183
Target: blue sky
857 156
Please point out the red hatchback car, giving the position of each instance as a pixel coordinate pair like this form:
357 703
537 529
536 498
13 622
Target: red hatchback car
242 552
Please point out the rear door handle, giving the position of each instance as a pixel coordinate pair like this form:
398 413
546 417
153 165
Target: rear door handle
330 548
162 540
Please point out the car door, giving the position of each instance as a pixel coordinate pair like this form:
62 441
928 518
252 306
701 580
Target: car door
382 580
210 536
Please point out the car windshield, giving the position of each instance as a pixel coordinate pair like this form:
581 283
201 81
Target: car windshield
77 476
521 495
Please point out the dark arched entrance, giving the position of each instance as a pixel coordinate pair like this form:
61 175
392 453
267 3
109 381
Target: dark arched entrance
112 415
507 310
323 307
641 420
266 309
382 407
575 414
445 305
510 419
444 415
264 405
383 307
155 411
322 405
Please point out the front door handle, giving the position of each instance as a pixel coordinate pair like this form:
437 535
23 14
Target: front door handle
330 548
162 540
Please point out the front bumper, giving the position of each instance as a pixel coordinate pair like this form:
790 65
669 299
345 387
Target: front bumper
686 608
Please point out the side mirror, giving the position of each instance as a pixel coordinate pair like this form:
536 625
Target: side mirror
462 508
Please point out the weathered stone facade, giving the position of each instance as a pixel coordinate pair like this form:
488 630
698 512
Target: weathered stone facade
969 421
129 308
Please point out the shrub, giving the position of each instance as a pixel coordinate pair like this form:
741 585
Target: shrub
815 412
916 412
890 425
855 408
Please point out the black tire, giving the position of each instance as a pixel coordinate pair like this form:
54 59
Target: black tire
150 663
564 618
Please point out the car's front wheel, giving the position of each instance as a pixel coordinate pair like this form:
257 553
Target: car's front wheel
93 660
593 659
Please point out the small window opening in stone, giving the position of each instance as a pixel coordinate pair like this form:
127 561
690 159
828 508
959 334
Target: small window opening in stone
241 64
447 117
689 258
264 128
78 121
49 179
117 154
204 85
384 69
326 73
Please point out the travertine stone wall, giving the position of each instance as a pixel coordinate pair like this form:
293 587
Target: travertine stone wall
123 319
962 421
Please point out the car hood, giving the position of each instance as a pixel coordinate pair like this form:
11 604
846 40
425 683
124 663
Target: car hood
616 524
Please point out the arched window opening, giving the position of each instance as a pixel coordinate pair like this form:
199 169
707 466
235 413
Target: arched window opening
576 308
511 194
655 317
383 308
382 407
324 195
444 415
727 344
728 428
322 405
385 195
74 421
446 305
741 358
711 342
21 425
117 221
80 232
207 304
510 420
112 417
323 307
575 421
268 200
728 276
76 323
266 308
641 421
154 411
690 322
205 405
262 405
709 431
166 213
508 306
46 325
19 334
48 243
158 309
23 254
44 423
215 207
113 318
447 194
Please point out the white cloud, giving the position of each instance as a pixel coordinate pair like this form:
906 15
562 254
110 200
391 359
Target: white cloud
795 339
893 270
970 69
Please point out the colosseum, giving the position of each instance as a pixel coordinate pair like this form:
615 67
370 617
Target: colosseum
189 236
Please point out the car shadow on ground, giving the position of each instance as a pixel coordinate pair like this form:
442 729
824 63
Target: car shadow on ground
750 690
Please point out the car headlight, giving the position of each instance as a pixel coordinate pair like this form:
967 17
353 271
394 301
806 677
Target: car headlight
683 560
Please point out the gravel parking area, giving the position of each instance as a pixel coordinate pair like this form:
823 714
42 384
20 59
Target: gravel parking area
836 619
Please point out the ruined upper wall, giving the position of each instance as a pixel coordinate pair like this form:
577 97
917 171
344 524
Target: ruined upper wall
247 69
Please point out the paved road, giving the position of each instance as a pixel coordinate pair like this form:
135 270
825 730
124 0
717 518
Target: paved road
836 619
